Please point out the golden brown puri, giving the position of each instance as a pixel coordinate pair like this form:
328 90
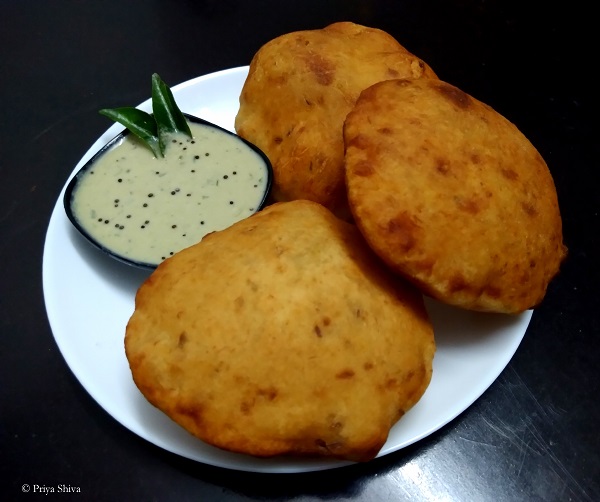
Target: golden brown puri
282 334
299 88
451 195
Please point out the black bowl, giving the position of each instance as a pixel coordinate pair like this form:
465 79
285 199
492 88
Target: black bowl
72 185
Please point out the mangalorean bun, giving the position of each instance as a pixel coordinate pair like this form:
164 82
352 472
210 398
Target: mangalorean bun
451 195
282 334
299 89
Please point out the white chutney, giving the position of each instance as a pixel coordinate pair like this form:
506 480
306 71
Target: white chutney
146 209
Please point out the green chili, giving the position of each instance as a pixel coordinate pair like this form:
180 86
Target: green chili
153 129
140 123
169 118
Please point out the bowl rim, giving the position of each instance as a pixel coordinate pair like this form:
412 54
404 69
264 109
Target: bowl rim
114 142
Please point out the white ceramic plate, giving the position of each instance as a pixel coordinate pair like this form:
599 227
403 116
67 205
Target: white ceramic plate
89 298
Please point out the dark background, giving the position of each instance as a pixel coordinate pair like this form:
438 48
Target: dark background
532 436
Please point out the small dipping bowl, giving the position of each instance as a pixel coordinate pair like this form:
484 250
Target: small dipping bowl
140 209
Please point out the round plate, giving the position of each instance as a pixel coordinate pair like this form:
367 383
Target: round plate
90 297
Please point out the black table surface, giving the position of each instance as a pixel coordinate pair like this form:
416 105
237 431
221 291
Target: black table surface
533 435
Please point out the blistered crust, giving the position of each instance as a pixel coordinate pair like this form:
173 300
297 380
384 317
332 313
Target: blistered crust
452 195
298 92
283 334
